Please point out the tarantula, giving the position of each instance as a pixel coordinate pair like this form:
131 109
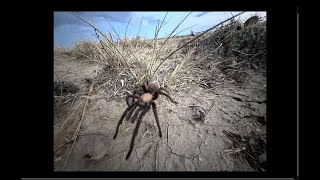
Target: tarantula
143 100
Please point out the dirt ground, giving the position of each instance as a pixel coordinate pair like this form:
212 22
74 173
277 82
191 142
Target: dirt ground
194 131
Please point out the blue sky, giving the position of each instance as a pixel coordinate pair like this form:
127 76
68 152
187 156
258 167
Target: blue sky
68 28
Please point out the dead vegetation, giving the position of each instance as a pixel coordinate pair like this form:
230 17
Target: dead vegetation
252 147
222 56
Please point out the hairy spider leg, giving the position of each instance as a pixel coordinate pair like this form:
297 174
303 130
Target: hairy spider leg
135 115
155 96
134 96
132 110
168 96
136 130
154 109
163 89
122 117
145 85
138 92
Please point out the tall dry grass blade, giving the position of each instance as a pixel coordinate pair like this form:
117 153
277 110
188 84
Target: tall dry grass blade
104 58
161 50
164 43
102 47
123 42
166 22
184 30
113 30
155 41
121 55
111 37
76 133
137 36
178 67
125 34
139 27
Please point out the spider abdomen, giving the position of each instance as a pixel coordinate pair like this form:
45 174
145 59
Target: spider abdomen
147 97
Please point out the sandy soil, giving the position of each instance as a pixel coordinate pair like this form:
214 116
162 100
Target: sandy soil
188 144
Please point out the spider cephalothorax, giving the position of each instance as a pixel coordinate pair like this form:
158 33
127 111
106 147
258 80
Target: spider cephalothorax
142 100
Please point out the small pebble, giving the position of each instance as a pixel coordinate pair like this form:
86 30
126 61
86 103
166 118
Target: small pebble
200 159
